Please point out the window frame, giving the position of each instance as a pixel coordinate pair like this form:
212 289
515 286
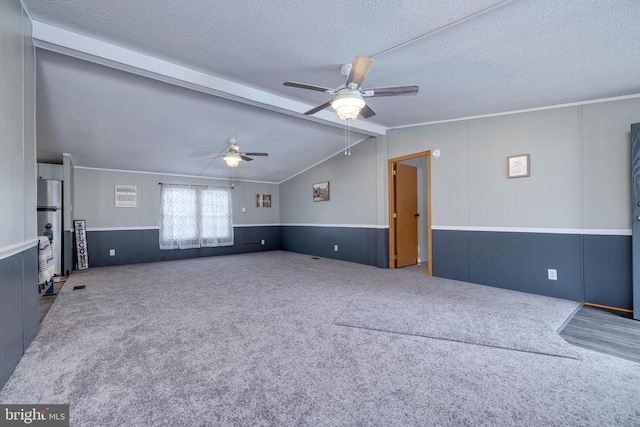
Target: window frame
201 216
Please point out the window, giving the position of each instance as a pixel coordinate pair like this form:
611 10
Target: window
195 216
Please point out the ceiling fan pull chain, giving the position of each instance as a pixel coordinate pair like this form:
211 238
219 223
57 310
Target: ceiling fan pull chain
348 139
345 137
233 178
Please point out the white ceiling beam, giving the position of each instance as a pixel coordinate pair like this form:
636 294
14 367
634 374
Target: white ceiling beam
56 39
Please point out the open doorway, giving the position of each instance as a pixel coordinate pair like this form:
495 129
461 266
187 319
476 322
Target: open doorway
410 211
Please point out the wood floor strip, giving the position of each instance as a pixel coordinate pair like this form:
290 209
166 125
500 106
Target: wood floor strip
607 307
605 332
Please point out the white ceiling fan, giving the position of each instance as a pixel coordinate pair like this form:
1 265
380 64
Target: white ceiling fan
348 101
232 156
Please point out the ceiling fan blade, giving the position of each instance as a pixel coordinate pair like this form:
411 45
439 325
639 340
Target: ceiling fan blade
308 86
391 91
359 70
318 108
248 159
255 154
367 112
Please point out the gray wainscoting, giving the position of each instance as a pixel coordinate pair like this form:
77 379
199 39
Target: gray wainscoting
138 246
450 254
607 270
590 268
18 308
30 297
519 261
368 246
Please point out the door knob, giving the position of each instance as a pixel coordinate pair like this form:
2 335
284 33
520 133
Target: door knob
417 215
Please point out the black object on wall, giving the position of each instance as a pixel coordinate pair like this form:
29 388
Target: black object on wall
68 256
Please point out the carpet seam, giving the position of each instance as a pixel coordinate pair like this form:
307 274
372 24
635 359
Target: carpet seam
460 341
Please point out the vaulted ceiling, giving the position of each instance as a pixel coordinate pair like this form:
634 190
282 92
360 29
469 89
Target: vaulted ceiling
141 85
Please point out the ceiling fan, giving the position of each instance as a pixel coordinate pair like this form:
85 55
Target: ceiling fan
232 156
348 101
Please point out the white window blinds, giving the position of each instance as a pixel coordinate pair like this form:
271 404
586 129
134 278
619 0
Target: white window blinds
195 216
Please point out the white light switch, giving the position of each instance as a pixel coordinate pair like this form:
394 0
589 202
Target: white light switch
335 248
552 274
112 252
262 242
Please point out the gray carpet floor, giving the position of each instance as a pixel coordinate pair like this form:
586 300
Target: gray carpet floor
254 340
514 326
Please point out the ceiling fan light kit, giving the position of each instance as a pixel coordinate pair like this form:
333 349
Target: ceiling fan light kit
348 104
232 159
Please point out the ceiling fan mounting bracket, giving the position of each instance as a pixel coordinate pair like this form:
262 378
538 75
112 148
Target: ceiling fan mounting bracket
345 69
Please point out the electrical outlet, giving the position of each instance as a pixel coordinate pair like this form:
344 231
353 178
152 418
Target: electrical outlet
112 252
335 248
552 274
262 242
244 209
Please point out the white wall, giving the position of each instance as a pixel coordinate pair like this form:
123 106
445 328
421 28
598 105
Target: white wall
17 130
450 203
29 123
580 167
550 197
353 183
94 198
606 163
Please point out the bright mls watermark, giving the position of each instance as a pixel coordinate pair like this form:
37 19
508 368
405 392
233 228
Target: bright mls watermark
34 415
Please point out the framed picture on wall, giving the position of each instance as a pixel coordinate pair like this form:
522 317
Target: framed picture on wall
126 196
263 200
321 191
518 166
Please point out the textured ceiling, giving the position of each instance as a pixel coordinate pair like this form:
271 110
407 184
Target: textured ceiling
110 119
518 54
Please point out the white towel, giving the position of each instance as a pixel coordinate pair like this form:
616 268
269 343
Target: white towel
45 260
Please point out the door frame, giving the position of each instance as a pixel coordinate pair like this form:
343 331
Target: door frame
392 225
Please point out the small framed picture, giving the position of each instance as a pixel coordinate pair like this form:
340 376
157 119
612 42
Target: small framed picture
321 191
126 196
518 166
263 200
